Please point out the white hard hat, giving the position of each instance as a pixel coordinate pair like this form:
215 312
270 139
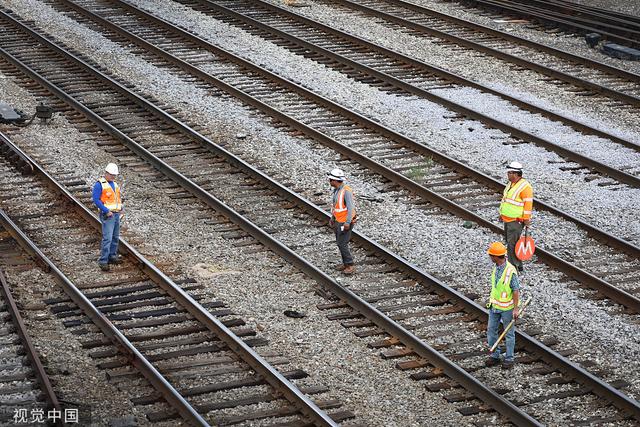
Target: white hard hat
514 167
112 169
336 175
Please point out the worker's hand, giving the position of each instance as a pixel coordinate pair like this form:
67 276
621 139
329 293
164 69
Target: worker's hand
526 222
332 223
516 313
347 226
109 214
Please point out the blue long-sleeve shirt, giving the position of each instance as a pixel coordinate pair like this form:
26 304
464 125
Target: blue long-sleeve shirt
97 192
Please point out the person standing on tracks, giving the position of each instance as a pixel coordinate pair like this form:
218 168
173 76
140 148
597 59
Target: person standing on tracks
503 304
343 218
516 209
106 196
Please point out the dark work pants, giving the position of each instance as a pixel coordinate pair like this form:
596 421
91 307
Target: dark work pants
342 239
512 232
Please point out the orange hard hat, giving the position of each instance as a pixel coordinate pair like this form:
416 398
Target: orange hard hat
497 249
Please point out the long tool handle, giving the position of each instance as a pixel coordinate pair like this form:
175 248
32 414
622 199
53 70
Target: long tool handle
509 326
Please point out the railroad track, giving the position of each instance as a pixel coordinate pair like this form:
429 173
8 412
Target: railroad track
405 298
391 71
567 16
375 147
178 337
24 383
587 78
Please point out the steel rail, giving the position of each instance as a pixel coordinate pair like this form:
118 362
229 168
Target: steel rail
615 294
120 341
620 296
599 386
572 9
610 12
17 158
606 170
592 63
611 239
246 353
562 21
581 14
36 364
577 81
465 379
237 345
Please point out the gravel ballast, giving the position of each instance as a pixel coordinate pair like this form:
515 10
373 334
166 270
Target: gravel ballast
258 288
426 123
567 42
428 241
75 378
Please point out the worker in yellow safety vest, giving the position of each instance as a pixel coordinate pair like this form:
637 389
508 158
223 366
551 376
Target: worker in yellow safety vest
516 209
503 304
107 197
343 218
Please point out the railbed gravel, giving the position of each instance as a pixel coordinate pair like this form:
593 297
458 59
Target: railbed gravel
73 373
426 123
625 6
567 42
521 84
258 288
394 222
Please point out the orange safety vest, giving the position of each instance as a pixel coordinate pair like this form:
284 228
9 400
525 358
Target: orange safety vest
109 197
339 209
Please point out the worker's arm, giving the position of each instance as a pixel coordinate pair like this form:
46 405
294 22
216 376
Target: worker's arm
332 220
348 201
527 198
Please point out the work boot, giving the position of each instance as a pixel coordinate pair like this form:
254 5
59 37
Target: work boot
507 364
115 260
349 270
104 267
340 267
491 361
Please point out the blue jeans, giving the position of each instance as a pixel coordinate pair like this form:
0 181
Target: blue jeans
110 237
492 332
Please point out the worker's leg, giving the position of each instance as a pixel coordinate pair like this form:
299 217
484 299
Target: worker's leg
510 338
342 238
512 232
492 332
115 237
107 235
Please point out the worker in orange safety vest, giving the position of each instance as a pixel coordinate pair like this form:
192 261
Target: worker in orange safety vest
106 196
343 218
516 209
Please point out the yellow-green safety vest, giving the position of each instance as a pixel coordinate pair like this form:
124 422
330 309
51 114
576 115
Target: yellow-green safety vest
501 293
512 204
